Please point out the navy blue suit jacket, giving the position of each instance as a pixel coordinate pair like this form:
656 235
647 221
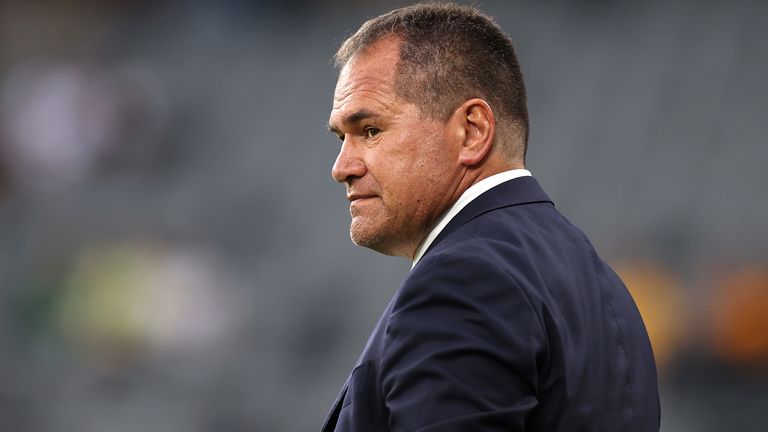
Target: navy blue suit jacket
509 322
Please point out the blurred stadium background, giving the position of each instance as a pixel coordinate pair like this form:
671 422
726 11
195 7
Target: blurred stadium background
174 254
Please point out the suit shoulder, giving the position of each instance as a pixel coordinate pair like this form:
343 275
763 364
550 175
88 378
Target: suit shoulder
472 273
464 257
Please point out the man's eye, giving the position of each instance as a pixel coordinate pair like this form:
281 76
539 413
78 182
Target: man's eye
371 132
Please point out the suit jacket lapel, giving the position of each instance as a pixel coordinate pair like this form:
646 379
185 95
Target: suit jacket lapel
333 416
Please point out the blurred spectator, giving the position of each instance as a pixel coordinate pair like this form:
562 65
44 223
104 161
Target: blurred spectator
62 120
132 298
740 316
660 299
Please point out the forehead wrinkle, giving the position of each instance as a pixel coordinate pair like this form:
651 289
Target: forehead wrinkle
373 69
366 84
358 104
365 89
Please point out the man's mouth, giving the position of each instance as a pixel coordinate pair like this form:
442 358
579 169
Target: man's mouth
357 197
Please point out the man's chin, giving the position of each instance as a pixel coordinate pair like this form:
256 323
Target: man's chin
364 238
367 237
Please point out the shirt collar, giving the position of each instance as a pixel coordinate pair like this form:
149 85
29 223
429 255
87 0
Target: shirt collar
470 194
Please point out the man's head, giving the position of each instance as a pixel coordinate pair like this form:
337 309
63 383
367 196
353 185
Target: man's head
449 54
421 107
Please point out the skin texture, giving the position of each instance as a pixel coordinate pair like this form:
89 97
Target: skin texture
402 169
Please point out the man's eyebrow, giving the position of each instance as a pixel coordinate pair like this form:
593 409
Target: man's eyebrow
353 118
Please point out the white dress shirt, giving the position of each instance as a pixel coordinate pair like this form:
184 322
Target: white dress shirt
470 194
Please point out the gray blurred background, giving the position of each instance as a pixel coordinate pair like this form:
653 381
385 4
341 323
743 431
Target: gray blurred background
174 255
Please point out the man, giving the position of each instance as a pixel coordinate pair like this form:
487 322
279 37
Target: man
508 320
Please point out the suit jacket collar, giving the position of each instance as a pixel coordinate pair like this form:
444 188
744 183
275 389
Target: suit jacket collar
518 191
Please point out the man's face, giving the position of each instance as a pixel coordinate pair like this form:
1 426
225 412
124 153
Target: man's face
400 168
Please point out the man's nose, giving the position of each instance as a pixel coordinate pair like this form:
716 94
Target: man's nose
348 164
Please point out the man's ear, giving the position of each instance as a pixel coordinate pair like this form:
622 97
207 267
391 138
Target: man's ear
476 119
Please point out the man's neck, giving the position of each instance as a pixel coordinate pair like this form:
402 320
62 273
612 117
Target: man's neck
477 189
